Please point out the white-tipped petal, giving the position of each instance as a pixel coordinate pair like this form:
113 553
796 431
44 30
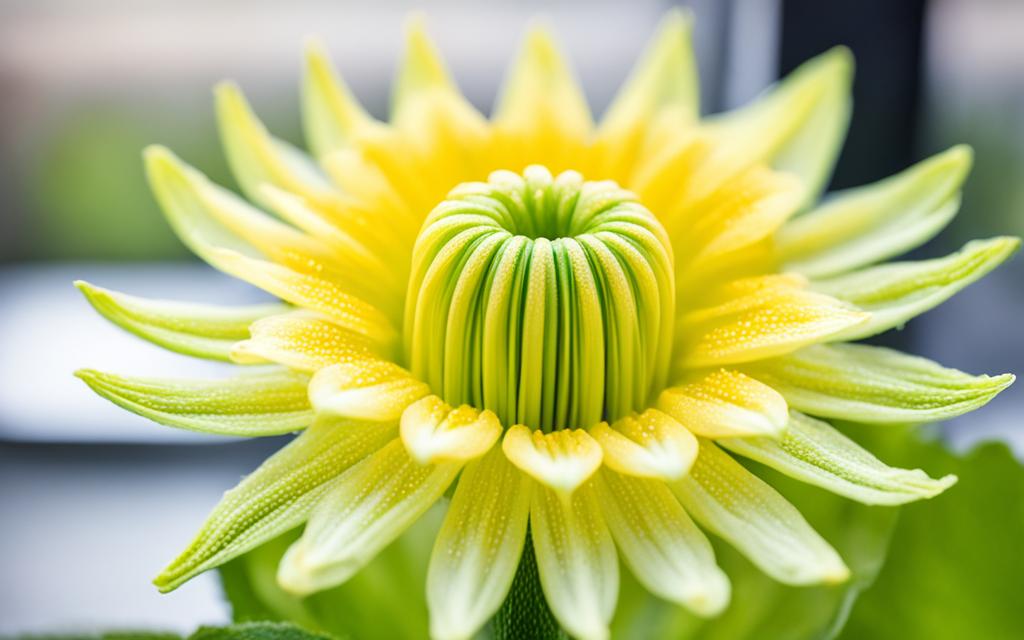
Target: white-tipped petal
365 389
649 445
434 432
561 460
725 403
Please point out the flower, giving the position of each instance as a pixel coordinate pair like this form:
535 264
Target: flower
571 327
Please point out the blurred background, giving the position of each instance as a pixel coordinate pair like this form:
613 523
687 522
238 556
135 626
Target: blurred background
93 500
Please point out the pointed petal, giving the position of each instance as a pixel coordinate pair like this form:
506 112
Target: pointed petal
761 317
579 569
665 550
864 383
362 513
814 452
898 291
724 403
276 497
648 445
301 340
204 331
256 157
797 126
865 225
422 68
478 548
331 115
735 504
433 432
262 404
365 389
561 460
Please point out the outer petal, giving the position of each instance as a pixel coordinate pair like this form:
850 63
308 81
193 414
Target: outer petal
204 331
331 115
814 452
761 317
725 403
478 548
263 404
649 445
863 383
579 570
276 497
365 389
898 291
741 508
366 510
562 460
433 432
302 340
667 553
861 226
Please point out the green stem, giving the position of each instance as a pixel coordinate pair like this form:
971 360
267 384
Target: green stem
525 613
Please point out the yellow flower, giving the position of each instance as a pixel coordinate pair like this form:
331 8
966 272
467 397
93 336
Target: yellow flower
571 323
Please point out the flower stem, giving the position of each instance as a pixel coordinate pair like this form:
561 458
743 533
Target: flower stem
525 613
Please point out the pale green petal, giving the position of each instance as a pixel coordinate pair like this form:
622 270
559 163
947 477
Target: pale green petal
865 225
301 340
814 452
259 404
735 504
478 548
896 292
364 512
665 550
864 383
278 496
256 157
579 569
797 126
204 331
331 115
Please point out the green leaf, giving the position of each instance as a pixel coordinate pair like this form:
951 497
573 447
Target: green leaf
898 291
204 331
874 384
865 225
263 404
259 631
955 564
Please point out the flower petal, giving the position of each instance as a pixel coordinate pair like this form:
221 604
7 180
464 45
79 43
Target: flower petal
861 226
204 331
301 340
362 513
579 569
365 389
561 460
256 157
898 291
812 451
724 403
648 445
433 432
864 383
735 504
331 115
276 497
262 404
797 126
665 550
478 548
761 317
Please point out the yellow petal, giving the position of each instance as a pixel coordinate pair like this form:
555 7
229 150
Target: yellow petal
665 550
576 559
562 460
724 403
362 513
478 548
365 389
301 340
648 445
434 432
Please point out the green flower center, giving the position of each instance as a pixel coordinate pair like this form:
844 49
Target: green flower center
549 301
